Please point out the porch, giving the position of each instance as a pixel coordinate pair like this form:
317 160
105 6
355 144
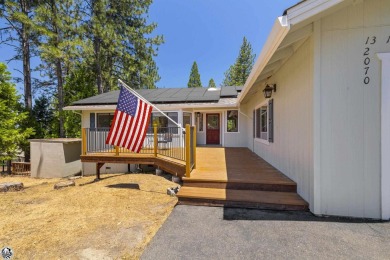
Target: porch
214 176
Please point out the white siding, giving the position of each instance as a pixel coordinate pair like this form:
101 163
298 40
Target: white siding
350 109
237 139
291 152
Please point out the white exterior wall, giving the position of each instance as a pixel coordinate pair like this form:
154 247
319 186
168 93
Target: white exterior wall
239 138
292 149
349 147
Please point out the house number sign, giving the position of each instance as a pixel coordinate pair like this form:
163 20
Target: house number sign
369 44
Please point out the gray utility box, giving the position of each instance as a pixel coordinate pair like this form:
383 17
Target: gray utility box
55 158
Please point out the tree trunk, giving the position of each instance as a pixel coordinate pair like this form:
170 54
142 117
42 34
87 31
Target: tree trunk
25 44
25 41
60 90
99 78
59 74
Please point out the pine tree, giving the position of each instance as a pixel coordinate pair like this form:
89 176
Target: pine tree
17 16
59 45
212 84
44 116
121 45
12 135
194 80
237 74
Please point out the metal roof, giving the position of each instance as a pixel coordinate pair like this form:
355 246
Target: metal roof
167 96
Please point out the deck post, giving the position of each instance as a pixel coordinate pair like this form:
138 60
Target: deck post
98 166
116 150
155 140
84 141
194 148
188 151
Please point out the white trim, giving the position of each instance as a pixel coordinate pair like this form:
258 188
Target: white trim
266 142
278 33
316 182
308 9
297 14
385 136
262 104
225 114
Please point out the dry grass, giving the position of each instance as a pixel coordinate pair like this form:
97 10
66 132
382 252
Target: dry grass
88 221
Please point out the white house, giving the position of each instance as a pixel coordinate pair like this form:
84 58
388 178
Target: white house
327 123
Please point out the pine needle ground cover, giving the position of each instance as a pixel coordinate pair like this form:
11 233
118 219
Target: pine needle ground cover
108 219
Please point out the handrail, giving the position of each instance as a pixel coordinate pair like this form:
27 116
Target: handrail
165 141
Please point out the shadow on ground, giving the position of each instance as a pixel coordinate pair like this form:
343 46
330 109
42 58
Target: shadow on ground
255 214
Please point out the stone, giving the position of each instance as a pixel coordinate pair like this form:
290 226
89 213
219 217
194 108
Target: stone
11 186
64 184
176 179
74 177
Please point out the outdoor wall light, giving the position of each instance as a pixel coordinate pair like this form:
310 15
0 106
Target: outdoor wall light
268 90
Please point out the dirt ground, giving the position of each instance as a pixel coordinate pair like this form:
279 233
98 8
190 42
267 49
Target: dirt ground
109 219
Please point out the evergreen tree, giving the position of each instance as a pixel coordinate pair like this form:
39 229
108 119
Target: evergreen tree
121 45
237 74
59 45
44 116
12 135
212 84
17 16
194 80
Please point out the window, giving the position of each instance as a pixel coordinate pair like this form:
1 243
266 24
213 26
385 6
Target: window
163 122
187 119
199 121
263 122
104 120
232 121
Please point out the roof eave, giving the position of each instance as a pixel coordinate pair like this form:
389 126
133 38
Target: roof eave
296 14
278 33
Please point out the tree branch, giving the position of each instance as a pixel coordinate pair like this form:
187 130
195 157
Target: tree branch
13 26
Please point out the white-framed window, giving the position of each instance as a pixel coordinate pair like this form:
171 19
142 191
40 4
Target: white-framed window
232 121
187 118
162 121
199 121
103 120
263 121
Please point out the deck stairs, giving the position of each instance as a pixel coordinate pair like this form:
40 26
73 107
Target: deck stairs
236 177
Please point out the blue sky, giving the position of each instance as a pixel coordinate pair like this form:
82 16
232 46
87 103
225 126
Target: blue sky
209 32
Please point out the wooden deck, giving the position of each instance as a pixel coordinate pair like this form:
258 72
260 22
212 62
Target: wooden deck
237 177
171 165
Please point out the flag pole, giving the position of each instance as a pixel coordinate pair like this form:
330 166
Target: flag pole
140 97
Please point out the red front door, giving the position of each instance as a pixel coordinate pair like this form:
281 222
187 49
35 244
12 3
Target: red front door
212 129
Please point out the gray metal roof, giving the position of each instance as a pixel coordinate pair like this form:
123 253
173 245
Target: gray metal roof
167 96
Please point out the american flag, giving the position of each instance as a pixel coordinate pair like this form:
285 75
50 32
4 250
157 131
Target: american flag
130 123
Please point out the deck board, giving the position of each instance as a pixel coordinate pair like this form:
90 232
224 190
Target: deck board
263 197
234 165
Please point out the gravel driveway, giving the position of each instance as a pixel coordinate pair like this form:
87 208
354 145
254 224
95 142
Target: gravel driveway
224 233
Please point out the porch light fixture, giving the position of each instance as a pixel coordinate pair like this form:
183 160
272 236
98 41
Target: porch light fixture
268 90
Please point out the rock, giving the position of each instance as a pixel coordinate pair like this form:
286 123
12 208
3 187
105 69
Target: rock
11 186
74 177
176 179
173 191
159 172
64 184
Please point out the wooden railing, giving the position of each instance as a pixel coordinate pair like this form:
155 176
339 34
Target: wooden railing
171 142
21 168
